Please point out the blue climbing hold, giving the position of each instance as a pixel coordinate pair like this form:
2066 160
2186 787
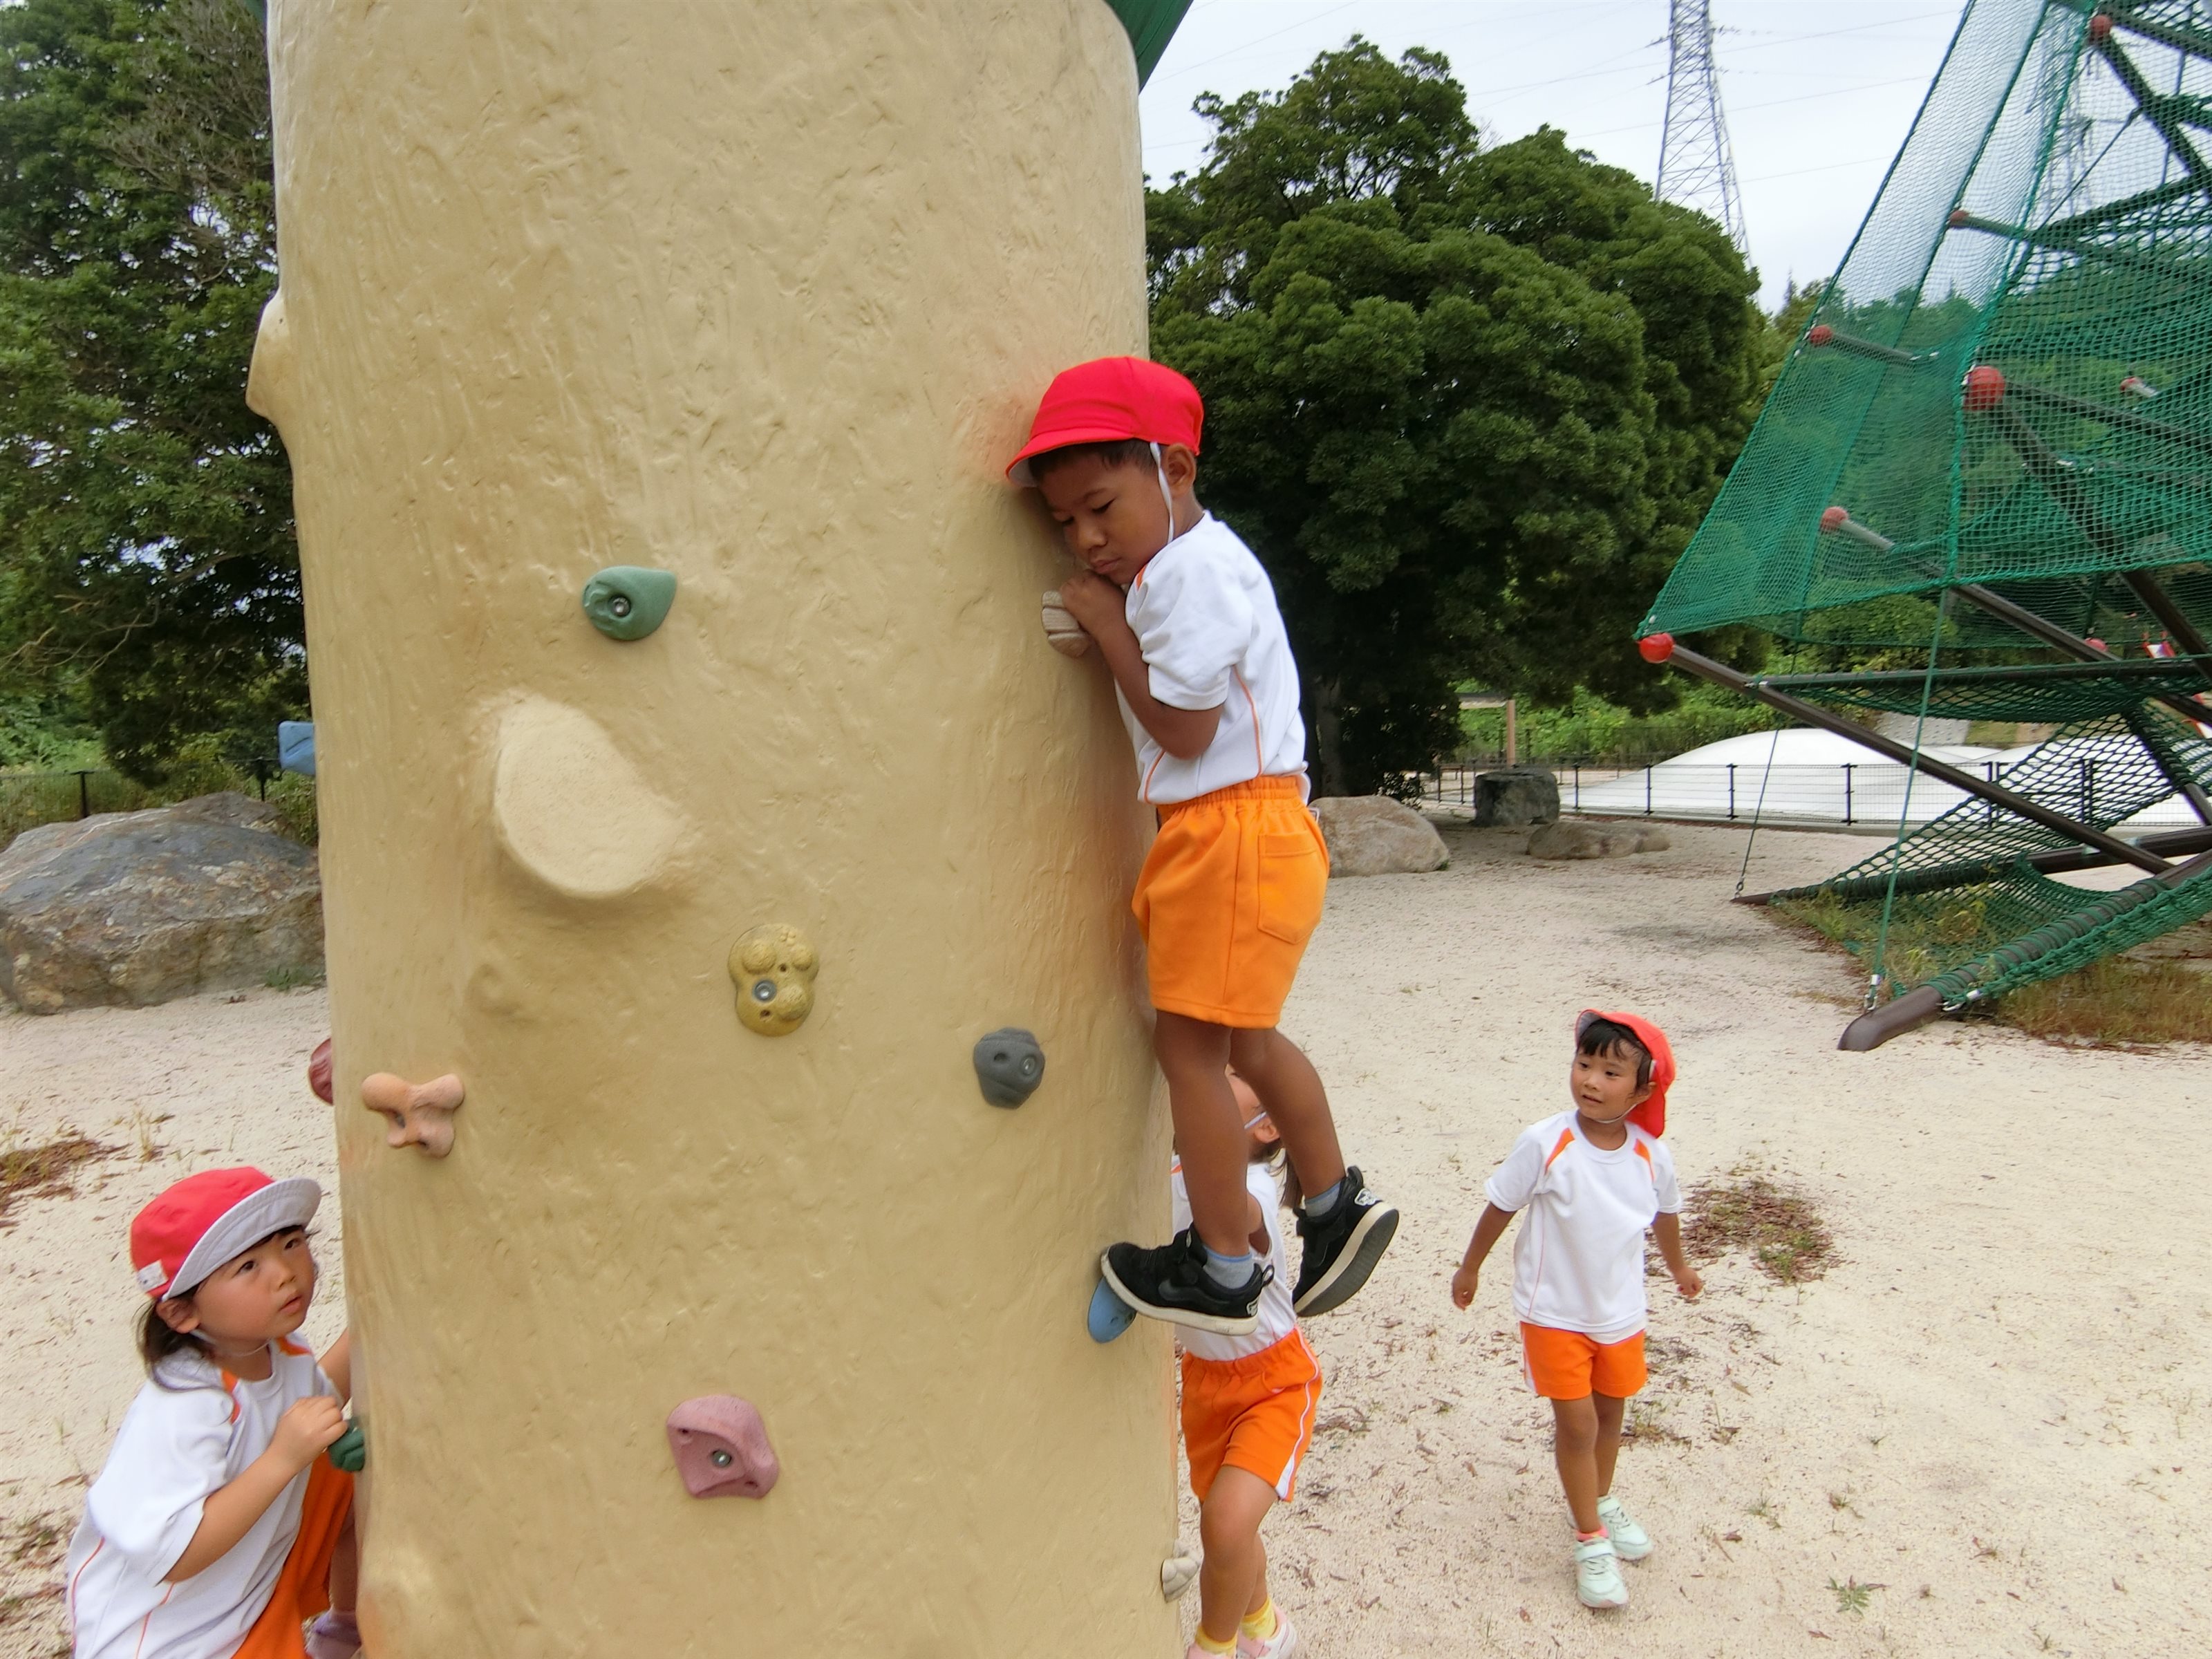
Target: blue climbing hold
295 746
1109 1315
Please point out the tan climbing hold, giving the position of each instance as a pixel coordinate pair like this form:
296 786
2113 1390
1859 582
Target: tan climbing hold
269 379
421 1114
773 966
574 811
1177 1574
1065 633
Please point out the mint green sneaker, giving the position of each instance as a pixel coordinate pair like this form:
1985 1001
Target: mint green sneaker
1630 1541
1597 1575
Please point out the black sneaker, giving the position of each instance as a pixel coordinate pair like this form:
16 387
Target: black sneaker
1169 1282
1342 1248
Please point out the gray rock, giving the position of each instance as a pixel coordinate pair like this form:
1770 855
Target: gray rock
1375 835
1514 795
136 908
1586 838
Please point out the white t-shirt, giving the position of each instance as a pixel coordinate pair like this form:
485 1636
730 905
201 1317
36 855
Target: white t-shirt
1204 613
1277 1319
176 1448
1578 1263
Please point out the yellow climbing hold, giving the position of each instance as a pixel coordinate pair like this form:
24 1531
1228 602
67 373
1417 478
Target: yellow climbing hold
773 966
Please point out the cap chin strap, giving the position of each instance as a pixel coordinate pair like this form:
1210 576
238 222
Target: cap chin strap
1160 471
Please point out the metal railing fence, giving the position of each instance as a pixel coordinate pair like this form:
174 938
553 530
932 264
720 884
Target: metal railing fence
1848 794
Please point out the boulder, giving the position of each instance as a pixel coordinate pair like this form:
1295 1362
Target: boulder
1375 835
1513 795
136 908
1586 838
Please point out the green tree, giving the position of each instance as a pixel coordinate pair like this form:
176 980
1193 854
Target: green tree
1466 404
147 553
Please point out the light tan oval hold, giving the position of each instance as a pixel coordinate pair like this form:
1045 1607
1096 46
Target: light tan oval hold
773 966
574 811
1067 636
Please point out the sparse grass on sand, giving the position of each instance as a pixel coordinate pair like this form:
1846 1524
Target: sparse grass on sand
1778 1229
2119 1001
2116 1001
44 1171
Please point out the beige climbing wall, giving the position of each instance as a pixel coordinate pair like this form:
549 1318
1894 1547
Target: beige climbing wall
760 293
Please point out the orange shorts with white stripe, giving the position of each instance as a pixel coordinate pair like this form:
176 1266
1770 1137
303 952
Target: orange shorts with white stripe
303 1586
1229 896
1255 1414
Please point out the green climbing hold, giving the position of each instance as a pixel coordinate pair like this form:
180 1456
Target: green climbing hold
349 1451
629 601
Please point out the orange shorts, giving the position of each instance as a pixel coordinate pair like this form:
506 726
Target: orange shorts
303 1587
1255 1414
1230 893
1568 1365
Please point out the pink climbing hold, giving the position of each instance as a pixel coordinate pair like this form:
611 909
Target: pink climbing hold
319 1072
721 1448
421 1114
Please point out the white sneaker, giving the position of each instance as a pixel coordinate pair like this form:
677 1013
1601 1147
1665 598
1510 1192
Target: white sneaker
1282 1644
1597 1575
1630 1541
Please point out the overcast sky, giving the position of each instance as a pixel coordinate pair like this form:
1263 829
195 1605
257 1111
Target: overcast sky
1818 94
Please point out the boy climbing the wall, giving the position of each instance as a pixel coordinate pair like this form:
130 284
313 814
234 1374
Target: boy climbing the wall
1185 620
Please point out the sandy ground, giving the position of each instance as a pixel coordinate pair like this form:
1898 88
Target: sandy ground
1988 1413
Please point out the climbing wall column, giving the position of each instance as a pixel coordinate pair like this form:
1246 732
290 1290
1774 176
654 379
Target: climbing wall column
698 791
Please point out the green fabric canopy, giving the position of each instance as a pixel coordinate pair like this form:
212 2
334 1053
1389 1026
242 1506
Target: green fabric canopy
1151 24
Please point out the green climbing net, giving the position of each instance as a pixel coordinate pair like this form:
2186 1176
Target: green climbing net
2003 404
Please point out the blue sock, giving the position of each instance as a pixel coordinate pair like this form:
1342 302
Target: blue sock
1229 1272
1322 1203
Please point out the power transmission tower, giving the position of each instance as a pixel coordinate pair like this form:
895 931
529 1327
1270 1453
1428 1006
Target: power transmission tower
1697 169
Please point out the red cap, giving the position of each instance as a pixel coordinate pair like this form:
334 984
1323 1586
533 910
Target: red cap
1984 387
205 1219
1651 1116
1108 399
1656 647
1834 517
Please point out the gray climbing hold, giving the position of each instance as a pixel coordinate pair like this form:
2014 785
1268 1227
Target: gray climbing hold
1009 1064
629 601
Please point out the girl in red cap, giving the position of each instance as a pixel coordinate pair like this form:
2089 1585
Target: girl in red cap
217 1528
1185 619
1591 1181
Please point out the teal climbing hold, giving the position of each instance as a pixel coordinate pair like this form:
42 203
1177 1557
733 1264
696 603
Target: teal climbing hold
349 1451
1109 1315
629 601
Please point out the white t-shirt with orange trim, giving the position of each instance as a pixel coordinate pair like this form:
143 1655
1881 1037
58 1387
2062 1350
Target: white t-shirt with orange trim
1204 613
1578 1261
1278 1318
177 1447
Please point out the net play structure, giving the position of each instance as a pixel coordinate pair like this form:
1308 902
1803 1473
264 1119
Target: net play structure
1982 489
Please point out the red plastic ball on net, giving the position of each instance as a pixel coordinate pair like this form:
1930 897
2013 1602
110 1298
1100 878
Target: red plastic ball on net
1818 335
1656 647
1834 519
1984 387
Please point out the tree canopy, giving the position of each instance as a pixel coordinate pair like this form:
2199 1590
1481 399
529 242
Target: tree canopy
1466 404
147 554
